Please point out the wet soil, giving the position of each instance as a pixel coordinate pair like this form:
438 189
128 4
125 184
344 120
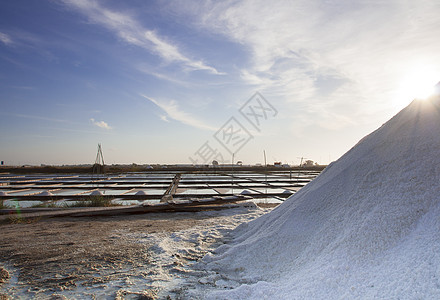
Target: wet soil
57 254
49 255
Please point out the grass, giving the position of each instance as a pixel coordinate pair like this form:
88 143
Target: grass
99 201
93 201
45 205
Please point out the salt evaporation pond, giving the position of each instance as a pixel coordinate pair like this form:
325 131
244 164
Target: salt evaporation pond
154 183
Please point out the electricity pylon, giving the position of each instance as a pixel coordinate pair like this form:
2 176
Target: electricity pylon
98 167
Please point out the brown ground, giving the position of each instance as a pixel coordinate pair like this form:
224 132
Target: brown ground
57 253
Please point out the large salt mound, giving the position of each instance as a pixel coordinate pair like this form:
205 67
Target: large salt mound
367 227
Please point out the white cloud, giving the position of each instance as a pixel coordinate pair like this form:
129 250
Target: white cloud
129 30
359 49
174 112
164 118
35 117
5 39
100 124
149 70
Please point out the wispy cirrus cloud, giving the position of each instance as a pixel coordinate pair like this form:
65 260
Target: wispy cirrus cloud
326 52
131 31
146 69
5 38
22 38
164 118
17 87
174 112
100 124
27 41
35 117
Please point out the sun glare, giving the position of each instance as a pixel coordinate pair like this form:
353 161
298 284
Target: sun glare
418 83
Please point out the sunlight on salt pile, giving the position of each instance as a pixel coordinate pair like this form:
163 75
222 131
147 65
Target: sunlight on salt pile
367 227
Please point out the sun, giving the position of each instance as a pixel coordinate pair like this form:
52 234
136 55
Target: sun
417 83
420 85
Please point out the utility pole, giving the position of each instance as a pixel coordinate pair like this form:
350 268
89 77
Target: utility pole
265 172
300 165
232 174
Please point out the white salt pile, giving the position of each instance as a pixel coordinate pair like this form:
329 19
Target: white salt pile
96 193
367 227
140 193
45 193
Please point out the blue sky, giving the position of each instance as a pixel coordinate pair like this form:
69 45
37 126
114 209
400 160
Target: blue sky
158 81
